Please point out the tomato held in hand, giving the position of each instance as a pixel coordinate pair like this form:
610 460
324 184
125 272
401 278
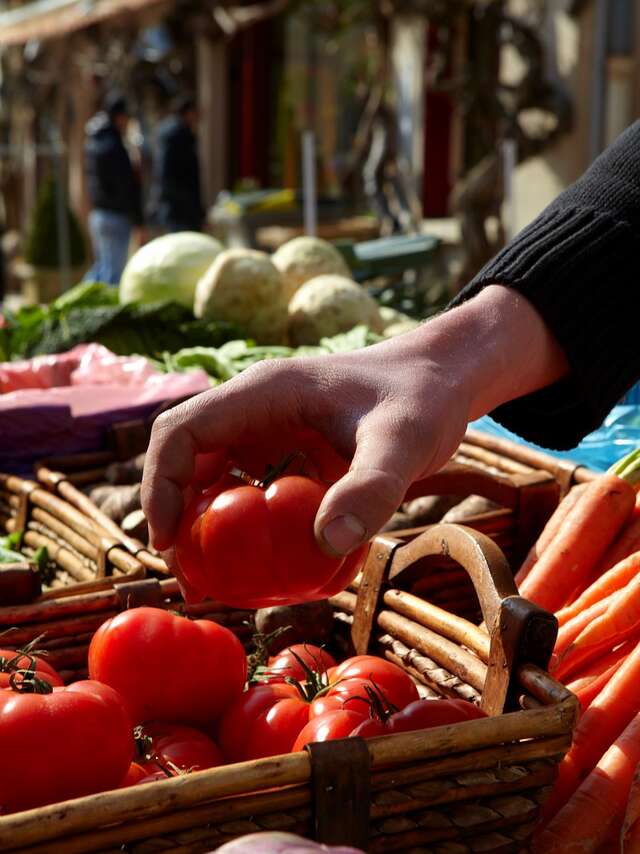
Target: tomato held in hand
181 747
12 660
264 721
248 540
61 744
422 714
292 661
169 668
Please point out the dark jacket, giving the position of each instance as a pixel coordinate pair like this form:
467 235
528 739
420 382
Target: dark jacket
578 264
175 194
111 182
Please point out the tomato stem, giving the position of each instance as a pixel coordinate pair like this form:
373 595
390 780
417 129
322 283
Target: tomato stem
258 659
28 682
234 471
381 708
143 743
9 665
316 682
272 473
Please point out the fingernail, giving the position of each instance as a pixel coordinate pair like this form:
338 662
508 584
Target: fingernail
343 534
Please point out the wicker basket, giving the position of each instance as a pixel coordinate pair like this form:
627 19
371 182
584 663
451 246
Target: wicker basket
474 786
86 550
566 471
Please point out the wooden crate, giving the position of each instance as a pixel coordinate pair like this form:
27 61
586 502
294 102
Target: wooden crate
468 787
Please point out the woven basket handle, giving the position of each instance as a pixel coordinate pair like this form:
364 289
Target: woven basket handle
520 631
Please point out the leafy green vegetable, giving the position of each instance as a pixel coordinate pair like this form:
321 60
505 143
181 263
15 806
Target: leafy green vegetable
224 363
9 546
354 339
91 312
41 558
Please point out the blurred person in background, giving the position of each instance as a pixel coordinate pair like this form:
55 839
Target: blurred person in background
114 190
176 202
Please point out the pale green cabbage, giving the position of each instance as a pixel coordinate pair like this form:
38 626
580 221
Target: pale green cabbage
168 268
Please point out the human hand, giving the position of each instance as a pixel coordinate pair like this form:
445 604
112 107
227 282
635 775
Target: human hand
398 409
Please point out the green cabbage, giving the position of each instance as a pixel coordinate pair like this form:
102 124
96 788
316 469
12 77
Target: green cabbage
168 268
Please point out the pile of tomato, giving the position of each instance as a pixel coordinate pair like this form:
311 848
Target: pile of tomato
169 696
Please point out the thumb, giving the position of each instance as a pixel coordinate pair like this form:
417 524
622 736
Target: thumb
385 464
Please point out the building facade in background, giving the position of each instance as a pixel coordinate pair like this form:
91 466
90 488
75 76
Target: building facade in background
593 49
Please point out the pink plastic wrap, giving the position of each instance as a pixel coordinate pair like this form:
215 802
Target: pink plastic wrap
64 404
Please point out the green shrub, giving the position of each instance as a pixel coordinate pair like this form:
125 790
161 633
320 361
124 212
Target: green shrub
42 248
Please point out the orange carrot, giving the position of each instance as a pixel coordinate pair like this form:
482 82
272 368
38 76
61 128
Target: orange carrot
599 664
609 713
571 630
584 822
626 543
549 531
631 824
587 688
614 579
588 530
620 619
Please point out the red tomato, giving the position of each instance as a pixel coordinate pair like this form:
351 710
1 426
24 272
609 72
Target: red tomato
327 727
169 668
316 457
423 714
251 547
184 747
331 674
350 694
286 663
394 683
134 775
10 661
70 742
264 721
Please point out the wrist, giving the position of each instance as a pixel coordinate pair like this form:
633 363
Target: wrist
493 348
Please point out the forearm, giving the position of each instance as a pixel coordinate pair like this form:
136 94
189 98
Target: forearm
577 264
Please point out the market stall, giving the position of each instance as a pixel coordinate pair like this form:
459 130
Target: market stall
442 688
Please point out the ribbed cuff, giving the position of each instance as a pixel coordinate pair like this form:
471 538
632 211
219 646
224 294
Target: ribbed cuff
579 269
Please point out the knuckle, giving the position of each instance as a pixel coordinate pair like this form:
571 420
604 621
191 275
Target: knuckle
267 371
163 427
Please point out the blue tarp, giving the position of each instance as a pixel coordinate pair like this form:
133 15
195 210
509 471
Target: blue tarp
619 435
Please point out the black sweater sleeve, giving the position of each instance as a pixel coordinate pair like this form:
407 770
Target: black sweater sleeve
578 264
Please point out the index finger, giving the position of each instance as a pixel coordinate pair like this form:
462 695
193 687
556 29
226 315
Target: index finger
207 422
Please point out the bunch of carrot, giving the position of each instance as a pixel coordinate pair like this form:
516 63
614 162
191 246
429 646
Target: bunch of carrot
585 567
